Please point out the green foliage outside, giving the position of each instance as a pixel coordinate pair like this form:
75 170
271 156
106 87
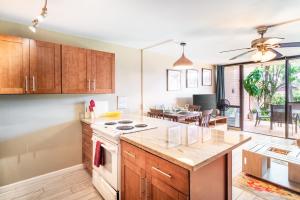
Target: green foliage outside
267 85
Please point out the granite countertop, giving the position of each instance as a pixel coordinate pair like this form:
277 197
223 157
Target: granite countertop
173 142
188 149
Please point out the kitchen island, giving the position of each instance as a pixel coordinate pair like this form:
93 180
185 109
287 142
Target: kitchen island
177 161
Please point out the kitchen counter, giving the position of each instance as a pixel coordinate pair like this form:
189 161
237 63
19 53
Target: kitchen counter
178 161
210 144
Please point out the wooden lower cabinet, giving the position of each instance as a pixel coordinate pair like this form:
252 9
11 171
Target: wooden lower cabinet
148 177
134 187
140 182
158 190
87 147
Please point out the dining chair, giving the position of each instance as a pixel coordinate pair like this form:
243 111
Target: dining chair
156 113
194 108
278 116
205 118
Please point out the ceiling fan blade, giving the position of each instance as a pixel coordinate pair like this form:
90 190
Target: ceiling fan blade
234 50
278 55
273 40
283 23
235 57
289 44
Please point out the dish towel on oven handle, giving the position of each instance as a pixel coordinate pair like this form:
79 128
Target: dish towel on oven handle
99 158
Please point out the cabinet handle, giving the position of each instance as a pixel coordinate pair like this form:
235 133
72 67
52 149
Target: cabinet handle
26 83
129 154
94 84
89 83
161 172
147 190
142 189
33 83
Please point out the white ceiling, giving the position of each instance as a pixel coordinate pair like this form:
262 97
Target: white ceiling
208 26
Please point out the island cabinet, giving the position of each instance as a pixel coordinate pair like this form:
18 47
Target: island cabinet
150 177
87 71
14 65
145 176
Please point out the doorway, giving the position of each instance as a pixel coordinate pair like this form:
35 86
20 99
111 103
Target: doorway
264 97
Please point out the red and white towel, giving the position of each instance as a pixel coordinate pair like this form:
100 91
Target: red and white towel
99 155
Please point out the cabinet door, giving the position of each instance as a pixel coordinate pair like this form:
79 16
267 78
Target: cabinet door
75 70
133 181
45 67
87 147
158 190
14 65
103 72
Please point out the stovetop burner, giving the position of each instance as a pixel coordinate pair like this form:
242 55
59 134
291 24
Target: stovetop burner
124 128
141 125
125 122
110 123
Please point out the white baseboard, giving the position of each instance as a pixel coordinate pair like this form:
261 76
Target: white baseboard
40 178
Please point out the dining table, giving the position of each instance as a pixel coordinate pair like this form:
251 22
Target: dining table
178 116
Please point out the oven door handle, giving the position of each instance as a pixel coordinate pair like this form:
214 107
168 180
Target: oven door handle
107 148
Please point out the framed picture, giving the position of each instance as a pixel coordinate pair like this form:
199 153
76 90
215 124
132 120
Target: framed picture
191 78
206 77
173 80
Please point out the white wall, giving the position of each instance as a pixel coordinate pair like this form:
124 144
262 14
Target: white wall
155 82
42 133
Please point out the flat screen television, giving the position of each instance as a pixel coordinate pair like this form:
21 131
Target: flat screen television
206 101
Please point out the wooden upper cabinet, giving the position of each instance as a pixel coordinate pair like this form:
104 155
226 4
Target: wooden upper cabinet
103 72
76 69
45 67
87 71
30 66
14 65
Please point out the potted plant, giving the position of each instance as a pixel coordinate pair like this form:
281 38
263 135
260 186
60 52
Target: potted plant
251 85
251 114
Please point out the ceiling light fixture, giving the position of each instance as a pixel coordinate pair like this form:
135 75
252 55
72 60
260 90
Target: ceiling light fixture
183 62
40 18
263 56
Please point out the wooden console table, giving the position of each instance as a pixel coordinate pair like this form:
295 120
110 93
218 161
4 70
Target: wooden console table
285 172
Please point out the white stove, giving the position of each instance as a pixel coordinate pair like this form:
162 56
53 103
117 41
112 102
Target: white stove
113 129
107 177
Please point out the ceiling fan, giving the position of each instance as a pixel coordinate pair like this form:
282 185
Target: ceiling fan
264 47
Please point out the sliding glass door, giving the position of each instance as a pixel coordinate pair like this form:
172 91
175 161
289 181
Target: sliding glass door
232 94
293 106
264 98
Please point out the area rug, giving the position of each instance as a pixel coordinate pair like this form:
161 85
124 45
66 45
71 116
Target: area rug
263 189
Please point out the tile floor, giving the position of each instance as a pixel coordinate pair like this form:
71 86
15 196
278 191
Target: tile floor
77 185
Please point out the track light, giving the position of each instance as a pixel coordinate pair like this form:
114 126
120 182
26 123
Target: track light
35 23
40 18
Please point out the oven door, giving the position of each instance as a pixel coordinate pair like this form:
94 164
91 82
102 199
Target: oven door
109 171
